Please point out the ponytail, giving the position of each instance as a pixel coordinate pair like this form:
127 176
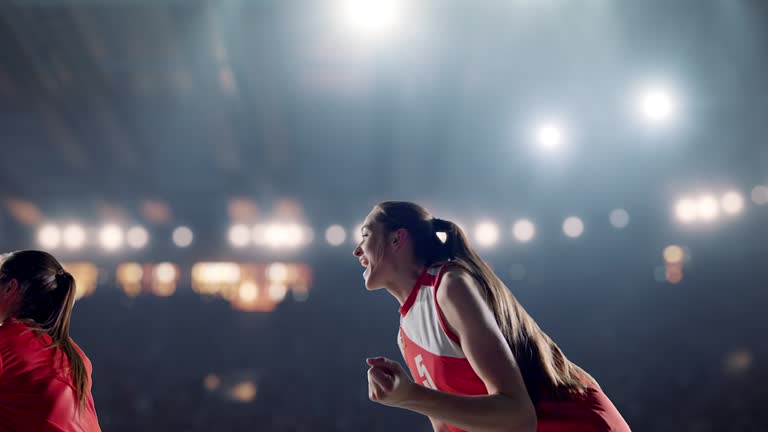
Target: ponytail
58 330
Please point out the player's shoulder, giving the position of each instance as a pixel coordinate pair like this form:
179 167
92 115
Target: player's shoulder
457 284
455 273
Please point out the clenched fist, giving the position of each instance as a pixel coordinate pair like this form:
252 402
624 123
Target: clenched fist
388 384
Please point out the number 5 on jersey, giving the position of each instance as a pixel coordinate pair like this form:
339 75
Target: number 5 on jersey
424 373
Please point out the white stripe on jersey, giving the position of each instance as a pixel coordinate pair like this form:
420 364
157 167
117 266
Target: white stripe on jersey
422 324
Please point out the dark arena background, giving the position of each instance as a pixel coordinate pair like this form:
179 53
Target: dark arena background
203 167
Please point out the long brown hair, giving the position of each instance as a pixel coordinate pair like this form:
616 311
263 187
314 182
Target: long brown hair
47 294
542 364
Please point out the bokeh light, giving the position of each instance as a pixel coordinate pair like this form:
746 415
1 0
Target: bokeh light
759 195
239 235
243 392
686 210
111 237
129 277
49 236
74 236
573 227
248 292
619 218
277 272
738 361
674 273
732 202
137 237
673 254
86 277
335 235
523 230
280 235
277 291
211 382
707 208
164 278
486 234
182 236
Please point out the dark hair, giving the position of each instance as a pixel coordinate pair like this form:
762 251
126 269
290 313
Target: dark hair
542 364
47 294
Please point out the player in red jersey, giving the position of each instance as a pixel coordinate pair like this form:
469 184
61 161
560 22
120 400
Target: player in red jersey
45 379
479 360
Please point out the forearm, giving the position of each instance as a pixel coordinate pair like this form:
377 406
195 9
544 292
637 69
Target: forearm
438 426
491 413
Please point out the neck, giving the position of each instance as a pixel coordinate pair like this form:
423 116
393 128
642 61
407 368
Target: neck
404 279
4 318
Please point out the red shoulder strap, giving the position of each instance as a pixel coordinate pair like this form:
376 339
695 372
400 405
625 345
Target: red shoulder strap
440 316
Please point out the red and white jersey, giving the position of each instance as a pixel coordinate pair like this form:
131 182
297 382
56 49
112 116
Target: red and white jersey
435 358
431 350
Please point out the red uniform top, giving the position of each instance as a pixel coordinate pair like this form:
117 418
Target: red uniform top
36 388
436 360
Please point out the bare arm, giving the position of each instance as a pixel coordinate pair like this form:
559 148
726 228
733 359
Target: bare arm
438 426
507 407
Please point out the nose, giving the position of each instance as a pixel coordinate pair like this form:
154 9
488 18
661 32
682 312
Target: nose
357 252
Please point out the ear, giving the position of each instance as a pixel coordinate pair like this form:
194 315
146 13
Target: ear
11 288
399 238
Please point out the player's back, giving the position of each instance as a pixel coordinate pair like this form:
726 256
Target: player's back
36 387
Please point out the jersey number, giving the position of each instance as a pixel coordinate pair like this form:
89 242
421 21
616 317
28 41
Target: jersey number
424 373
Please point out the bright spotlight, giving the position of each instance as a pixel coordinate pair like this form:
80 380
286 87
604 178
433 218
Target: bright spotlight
49 236
335 235
182 236
549 136
686 210
276 235
707 208
619 218
248 291
573 227
732 202
280 236
487 234
295 235
74 236
523 230
137 237
111 237
760 195
657 104
372 18
239 235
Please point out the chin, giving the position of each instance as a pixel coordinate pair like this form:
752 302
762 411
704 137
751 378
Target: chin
372 285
